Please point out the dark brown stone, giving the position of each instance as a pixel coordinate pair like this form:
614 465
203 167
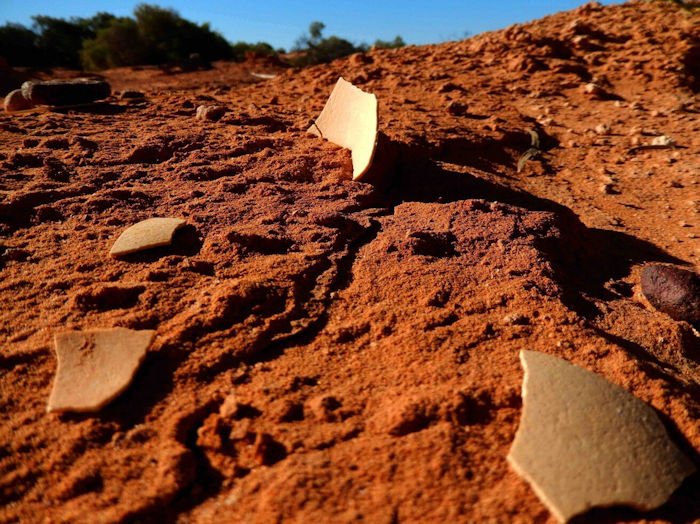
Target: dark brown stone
673 291
66 92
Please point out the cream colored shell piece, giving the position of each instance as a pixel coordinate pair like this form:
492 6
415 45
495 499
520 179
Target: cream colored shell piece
95 366
349 119
585 442
153 232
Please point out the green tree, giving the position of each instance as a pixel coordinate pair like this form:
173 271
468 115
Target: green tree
154 36
18 45
390 44
60 40
318 50
119 44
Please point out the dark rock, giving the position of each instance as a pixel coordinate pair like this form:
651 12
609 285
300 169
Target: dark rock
66 92
131 95
457 108
673 291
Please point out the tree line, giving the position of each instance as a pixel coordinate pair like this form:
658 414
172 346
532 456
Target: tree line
152 36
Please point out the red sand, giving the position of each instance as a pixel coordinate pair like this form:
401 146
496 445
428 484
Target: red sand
330 350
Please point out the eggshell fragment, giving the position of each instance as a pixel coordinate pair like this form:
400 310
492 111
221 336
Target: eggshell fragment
586 442
95 366
150 233
349 119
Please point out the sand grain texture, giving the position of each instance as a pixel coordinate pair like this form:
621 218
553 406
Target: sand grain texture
364 341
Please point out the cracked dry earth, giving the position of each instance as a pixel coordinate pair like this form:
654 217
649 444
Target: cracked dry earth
329 350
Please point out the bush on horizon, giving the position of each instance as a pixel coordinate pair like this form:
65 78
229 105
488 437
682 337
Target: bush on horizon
154 36
318 50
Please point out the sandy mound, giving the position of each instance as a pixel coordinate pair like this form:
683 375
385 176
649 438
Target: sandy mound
327 349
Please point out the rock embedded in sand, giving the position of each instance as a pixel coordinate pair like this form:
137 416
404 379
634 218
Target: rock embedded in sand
212 113
147 234
673 291
457 108
130 95
65 92
663 140
349 119
585 442
95 366
15 101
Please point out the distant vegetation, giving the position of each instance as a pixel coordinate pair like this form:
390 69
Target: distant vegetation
152 36
317 50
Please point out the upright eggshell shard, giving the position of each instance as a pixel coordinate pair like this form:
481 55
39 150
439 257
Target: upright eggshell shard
154 232
95 366
585 442
349 119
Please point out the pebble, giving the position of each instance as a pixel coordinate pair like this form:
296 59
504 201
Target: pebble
212 113
602 129
593 89
663 140
457 108
516 319
65 92
15 101
673 291
131 95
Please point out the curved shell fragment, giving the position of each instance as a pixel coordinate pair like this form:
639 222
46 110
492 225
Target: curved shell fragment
153 232
349 119
586 442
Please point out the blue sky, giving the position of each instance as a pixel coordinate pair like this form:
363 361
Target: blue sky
280 22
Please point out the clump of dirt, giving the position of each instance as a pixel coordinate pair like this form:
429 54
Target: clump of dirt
332 350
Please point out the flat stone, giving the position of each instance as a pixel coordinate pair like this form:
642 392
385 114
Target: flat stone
673 291
349 119
65 92
585 442
147 234
95 366
15 101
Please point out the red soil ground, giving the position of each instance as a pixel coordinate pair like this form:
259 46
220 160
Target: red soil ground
328 350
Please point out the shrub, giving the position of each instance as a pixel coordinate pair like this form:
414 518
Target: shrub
318 50
393 44
117 45
19 45
59 41
154 36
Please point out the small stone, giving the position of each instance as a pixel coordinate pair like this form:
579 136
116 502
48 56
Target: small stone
212 113
126 95
608 188
584 442
516 319
602 129
673 291
457 108
593 89
65 92
95 366
15 101
147 234
663 140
